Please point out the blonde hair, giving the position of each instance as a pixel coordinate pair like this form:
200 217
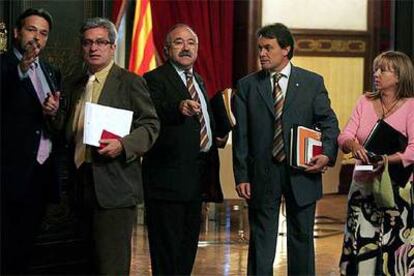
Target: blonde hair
403 68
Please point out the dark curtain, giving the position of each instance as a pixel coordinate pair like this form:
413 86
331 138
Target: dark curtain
385 30
212 20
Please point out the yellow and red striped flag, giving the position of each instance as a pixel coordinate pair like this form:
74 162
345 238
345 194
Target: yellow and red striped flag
143 52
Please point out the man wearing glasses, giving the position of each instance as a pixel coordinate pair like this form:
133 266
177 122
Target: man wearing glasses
173 170
109 177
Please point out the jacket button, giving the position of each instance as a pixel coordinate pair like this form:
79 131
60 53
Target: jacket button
37 132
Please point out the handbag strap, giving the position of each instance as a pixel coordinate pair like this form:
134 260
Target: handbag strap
385 159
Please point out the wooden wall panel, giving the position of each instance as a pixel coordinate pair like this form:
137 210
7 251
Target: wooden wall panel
344 78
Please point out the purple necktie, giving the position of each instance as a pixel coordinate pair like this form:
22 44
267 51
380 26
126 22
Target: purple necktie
45 144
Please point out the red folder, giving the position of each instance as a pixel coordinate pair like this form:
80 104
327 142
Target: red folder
108 135
317 150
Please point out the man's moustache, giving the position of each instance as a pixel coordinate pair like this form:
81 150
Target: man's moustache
184 54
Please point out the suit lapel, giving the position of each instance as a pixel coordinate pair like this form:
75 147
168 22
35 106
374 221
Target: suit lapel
76 88
201 85
27 82
111 86
49 75
265 90
293 88
175 81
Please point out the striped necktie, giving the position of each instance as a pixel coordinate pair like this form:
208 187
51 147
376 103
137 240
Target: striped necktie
194 97
278 145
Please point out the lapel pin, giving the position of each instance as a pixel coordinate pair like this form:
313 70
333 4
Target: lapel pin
297 84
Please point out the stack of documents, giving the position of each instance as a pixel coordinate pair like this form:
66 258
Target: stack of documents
100 119
305 143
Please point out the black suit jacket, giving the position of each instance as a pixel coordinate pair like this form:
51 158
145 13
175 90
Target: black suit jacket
172 169
22 122
307 104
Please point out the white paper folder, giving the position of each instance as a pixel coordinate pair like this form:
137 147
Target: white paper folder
100 117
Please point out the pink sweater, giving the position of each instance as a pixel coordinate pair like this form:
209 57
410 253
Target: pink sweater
363 119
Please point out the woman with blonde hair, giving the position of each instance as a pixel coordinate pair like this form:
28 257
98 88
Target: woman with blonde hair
380 240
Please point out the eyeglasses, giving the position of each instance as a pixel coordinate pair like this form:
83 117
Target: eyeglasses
178 43
100 43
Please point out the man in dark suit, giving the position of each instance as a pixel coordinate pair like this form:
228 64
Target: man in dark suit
110 176
174 168
267 104
29 103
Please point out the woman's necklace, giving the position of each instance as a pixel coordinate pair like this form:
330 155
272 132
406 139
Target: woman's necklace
386 111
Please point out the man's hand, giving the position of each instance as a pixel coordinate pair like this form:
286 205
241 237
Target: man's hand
243 190
318 164
189 108
31 52
51 104
222 141
112 149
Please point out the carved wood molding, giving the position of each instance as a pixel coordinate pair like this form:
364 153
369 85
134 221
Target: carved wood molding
3 37
331 43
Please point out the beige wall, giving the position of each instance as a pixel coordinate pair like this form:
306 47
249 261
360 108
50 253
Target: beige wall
317 14
344 81
344 76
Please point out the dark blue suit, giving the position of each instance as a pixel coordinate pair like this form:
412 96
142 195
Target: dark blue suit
26 185
306 103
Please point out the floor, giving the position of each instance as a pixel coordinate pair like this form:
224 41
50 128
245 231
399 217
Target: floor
223 244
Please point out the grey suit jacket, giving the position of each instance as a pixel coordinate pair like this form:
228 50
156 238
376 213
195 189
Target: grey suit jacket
306 104
118 182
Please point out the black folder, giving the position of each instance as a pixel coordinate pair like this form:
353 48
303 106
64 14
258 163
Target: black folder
221 114
384 139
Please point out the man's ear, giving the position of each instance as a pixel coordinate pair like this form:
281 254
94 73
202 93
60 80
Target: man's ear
286 50
165 51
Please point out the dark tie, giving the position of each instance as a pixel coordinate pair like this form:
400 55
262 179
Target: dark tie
278 145
194 97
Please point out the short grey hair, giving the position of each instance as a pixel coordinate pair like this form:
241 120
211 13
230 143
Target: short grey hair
167 42
99 22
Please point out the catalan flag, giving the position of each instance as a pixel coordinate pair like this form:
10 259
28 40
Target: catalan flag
143 53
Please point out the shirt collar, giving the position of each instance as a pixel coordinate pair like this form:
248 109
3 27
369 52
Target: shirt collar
285 71
181 71
102 74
